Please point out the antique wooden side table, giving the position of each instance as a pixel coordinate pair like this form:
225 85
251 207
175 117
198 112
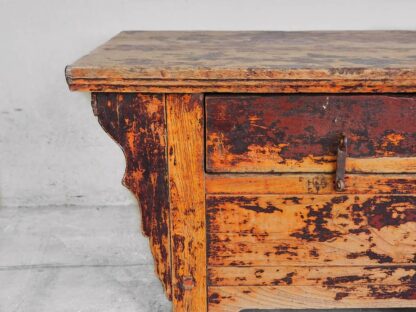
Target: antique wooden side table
273 169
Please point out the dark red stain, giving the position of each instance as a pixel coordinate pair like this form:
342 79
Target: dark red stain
388 270
314 252
312 124
214 298
375 288
178 247
293 199
241 279
376 212
287 280
178 243
380 258
388 292
401 186
409 279
410 270
317 221
257 208
244 202
379 292
382 211
334 281
285 250
259 273
341 295
237 263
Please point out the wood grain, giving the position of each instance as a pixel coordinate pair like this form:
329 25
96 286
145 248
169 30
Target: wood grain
137 123
275 249
289 133
242 86
342 61
329 276
236 298
311 230
304 183
186 180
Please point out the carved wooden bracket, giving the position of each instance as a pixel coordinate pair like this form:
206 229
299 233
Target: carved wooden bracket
137 123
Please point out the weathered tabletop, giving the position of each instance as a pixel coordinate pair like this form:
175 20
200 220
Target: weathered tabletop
376 61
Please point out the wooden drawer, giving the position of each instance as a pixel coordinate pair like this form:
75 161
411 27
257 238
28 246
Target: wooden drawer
311 230
300 133
290 241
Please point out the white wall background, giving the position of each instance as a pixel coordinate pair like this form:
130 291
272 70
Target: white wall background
52 150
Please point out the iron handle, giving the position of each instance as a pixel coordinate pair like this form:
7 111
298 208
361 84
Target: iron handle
341 160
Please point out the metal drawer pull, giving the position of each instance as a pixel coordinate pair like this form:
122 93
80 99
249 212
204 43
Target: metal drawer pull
341 159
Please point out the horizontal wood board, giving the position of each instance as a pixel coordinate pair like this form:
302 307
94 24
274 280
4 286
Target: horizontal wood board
238 298
329 276
270 61
309 183
269 230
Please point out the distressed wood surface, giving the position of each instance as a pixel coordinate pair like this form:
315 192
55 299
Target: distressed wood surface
236 298
186 180
226 242
311 230
311 276
281 133
137 123
274 249
304 183
272 61
242 86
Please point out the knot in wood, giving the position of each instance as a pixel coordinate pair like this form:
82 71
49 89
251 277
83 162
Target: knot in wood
188 282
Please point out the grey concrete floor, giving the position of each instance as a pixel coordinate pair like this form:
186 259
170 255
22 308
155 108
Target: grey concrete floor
78 259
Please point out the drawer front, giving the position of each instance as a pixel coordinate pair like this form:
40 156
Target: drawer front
311 230
300 133
293 243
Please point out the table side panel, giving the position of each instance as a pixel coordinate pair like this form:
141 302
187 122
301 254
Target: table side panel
136 122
